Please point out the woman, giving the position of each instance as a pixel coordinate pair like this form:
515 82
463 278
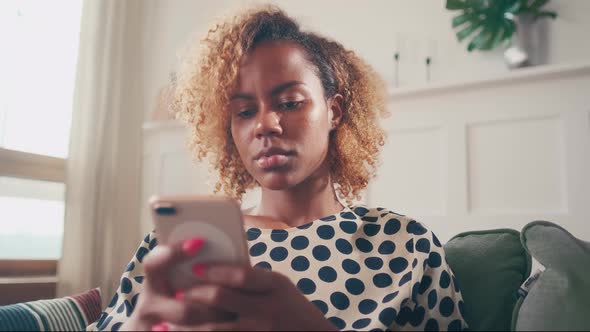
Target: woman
297 115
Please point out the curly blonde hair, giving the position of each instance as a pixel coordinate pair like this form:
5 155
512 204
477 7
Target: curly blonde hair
208 75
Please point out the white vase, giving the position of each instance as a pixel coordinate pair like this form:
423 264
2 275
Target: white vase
530 43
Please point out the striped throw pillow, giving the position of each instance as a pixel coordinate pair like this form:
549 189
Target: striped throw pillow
70 313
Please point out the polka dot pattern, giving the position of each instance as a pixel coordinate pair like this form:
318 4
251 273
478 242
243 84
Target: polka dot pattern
363 269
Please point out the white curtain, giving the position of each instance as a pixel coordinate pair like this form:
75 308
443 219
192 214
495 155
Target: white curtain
104 164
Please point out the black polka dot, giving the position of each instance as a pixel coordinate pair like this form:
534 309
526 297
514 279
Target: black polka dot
306 286
423 245
134 299
339 300
263 265
141 252
279 235
321 305
327 274
410 246
348 227
446 306
371 229
461 306
382 280
363 245
258 249
432 298
424 284
374 263
455 284
121 308
138 279
386 248
344 246
392 226
387 316
299 242
153 243
300 263
306 226
339 323
361 323
367 306
398 264
114 300
354 286
116 326
325 232
455 325
415 290
130 267
415 228
321 253
414 263
348 215
146 239
126 285
431 325
253 233
404 315
406 278
434 260
417 316
445 280
279 254
102 325
390 297
350 266
328 218
435 241
370 219
361 211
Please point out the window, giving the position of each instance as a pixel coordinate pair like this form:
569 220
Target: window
38 65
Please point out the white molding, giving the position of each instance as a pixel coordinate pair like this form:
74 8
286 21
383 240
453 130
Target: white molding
527 74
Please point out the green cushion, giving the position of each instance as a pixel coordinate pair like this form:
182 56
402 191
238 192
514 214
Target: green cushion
70 313
560 297
490 266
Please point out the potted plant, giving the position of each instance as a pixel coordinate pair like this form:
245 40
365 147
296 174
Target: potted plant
500 22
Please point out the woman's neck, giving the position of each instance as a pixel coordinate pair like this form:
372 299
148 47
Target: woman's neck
308 201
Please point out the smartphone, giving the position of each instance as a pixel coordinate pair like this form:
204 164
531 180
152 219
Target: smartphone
216 219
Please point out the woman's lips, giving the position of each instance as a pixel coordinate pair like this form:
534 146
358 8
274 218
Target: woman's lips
272 161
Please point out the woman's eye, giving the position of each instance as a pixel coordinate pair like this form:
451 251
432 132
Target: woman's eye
246 114
290 105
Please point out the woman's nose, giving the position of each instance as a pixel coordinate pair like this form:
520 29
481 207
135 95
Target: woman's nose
268 124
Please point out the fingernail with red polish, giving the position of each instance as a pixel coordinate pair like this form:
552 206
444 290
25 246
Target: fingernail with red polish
192 246
179 295
199 270
160 327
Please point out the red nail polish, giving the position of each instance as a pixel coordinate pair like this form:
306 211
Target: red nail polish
160 327
179 295
199 270
192 246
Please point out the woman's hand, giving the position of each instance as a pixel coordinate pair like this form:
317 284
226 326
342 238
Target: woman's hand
157 302
260 299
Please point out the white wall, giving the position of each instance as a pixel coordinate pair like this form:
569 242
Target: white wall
375 29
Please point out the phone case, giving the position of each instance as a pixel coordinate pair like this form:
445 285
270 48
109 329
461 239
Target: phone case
216 219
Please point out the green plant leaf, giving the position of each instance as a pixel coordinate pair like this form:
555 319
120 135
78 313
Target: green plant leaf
480 41
460 19
456 4
538 15
465 32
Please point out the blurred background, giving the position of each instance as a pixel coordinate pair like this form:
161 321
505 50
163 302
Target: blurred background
490 124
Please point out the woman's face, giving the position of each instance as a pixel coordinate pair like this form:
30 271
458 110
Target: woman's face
280 119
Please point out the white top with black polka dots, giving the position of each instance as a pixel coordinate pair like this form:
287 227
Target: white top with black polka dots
365 269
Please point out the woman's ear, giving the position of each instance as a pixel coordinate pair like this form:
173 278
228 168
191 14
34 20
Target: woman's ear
335 110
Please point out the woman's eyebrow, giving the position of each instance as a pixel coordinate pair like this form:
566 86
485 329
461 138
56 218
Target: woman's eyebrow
284 86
